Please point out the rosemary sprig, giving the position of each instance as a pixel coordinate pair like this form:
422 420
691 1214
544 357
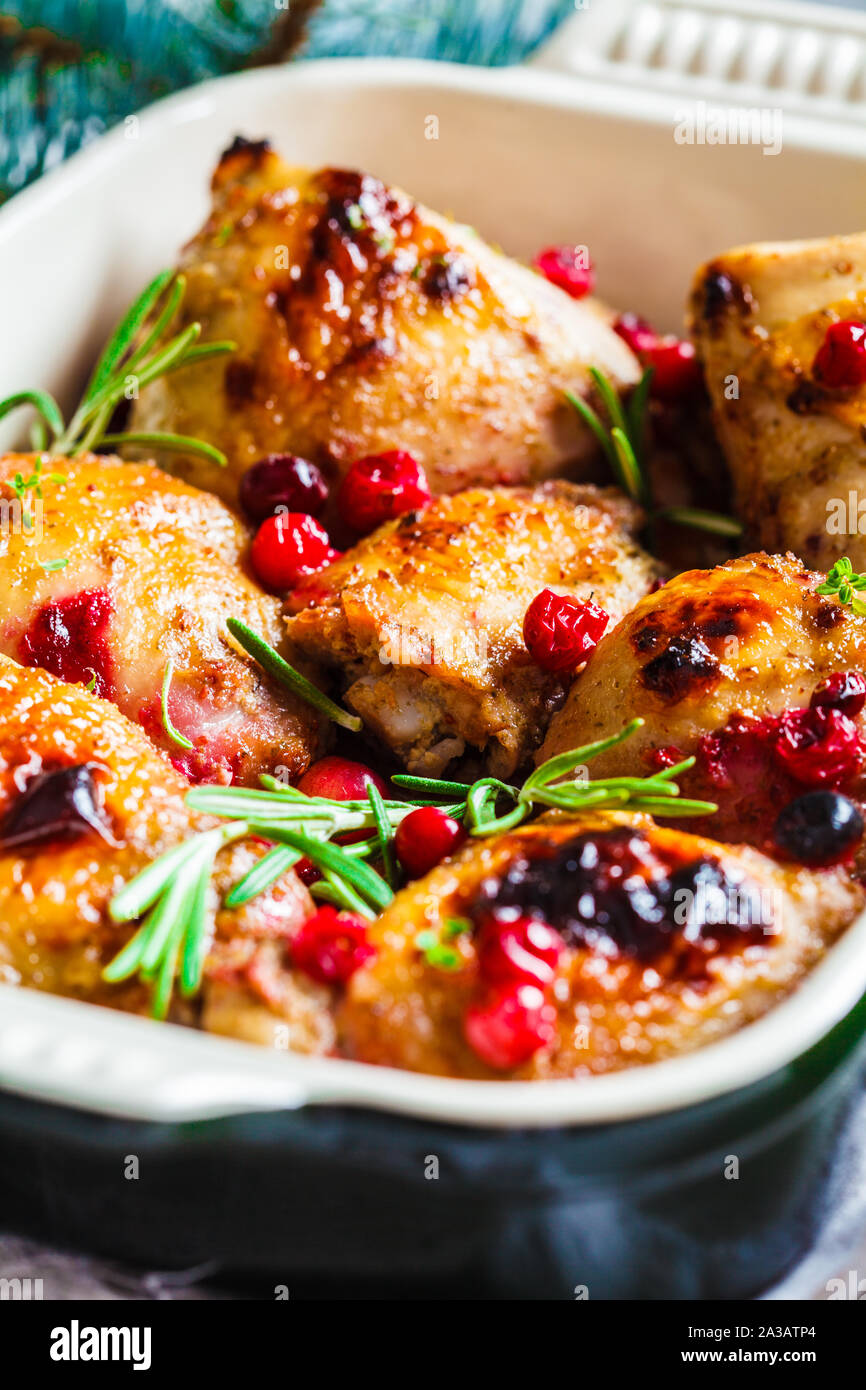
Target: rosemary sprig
544 788
844 584
137 352
171 894
622 441
286 675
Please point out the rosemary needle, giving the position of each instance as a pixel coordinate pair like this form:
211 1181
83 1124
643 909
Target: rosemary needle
174 734
138 350
286 675
622 442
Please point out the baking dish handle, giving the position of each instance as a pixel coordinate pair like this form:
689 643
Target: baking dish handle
804 58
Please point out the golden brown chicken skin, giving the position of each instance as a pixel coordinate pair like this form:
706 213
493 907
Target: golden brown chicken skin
710 662
423 620
365 322
571 948
122 569
85 804
796 446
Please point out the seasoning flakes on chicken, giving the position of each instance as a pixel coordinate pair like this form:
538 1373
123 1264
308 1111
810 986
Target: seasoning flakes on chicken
574 947
781 330
423 620
118 569
86 802
366 322
750 669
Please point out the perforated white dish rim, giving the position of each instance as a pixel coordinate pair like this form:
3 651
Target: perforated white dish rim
72 253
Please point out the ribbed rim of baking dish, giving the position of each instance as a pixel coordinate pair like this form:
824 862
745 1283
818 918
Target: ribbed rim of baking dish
83 1055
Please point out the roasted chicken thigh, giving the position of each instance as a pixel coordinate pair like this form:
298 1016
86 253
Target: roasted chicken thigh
118 569
574 947
366 322
423 620
724 664
795 441
85 803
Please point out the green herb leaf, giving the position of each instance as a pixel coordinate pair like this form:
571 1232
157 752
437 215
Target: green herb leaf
134 349
385 834
41 401
286 675
713 522
623 442
124 333
170 443
844 585
327 857
174 734
268 869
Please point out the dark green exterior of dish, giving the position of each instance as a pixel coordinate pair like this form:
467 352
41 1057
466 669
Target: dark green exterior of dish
356 1204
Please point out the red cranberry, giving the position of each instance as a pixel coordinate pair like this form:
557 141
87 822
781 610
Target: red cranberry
307 872
819 829
668 756
844 690
289 546
331 946
425 837
69 638
676 370
340 779
561 632
522 948
738 752
509 1025
819 747
840 361
569 267
380 487
636 332
282 480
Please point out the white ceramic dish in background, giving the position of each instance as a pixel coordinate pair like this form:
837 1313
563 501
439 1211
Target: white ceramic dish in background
529 156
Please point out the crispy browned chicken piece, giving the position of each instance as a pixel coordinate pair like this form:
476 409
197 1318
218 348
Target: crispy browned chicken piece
423 620
795 448
85 803
750 638
366 322
667 941
122 569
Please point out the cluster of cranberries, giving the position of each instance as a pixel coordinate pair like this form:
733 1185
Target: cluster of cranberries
676 371
285 496
819 749
561 633
513 1017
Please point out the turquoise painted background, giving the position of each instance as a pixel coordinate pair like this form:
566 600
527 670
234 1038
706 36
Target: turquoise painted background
69 69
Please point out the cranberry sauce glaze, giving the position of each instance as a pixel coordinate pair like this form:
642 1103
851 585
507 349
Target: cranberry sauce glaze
69 638
757 767
612 893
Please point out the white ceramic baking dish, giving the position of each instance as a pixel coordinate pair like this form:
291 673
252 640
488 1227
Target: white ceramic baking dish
579 146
